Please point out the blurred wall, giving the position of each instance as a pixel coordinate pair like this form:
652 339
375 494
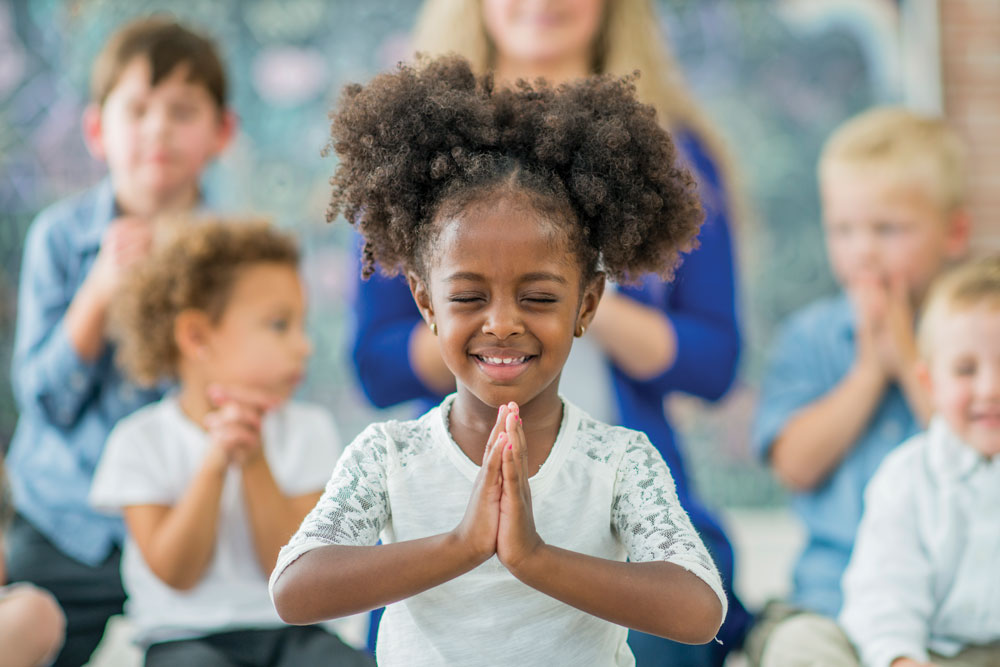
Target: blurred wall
970 55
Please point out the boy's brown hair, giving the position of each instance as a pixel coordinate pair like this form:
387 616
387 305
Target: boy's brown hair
194 266
165 44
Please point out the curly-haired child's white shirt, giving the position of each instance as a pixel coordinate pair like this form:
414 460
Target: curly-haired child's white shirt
603 491
923 574
150 458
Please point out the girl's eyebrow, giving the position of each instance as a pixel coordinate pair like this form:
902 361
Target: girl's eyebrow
536 276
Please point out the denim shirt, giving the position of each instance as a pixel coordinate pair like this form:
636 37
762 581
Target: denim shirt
813 352
67 405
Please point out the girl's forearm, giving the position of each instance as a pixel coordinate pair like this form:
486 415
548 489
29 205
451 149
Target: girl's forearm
273 515
337 580
659 598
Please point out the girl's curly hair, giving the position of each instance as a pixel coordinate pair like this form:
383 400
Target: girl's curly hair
194 265
429 139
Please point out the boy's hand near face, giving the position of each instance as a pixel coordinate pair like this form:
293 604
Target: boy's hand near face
126 241
886 337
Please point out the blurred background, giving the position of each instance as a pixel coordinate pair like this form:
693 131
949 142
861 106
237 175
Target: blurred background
776 76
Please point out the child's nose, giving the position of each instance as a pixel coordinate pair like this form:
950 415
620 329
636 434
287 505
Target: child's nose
503 320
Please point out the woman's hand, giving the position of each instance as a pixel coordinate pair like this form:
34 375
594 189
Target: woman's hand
478 528
517 539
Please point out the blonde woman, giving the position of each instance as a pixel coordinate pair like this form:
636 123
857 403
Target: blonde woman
646 341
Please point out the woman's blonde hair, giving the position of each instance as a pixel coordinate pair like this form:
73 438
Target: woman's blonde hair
629 39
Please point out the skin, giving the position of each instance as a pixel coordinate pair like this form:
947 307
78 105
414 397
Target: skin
232 372
543 38
504 286
963 375
554 39
887 238
156 142
32 625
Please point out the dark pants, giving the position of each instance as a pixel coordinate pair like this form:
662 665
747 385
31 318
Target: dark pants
88 595
279 647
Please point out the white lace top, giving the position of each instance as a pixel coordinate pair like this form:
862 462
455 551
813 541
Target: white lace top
603 491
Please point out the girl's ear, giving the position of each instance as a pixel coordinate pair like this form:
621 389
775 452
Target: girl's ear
592 294
192 329
422 297
92 131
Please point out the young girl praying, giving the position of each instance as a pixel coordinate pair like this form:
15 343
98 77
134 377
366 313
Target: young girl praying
514 528
216 476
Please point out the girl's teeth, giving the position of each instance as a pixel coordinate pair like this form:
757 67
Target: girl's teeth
505 362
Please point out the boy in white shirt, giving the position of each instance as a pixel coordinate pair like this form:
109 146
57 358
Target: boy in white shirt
922 585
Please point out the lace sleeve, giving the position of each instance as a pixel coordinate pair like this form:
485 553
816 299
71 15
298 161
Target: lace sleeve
649 518
354 506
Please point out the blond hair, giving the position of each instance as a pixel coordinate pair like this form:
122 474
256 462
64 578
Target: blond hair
973 283
194 266
902 144
629 39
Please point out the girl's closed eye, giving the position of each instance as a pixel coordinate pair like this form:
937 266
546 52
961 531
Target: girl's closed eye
541 298
466 297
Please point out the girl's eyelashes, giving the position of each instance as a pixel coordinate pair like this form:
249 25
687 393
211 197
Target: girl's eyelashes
541 298
531 298
465 298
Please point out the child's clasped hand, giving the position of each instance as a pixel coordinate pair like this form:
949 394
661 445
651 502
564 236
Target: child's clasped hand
499 519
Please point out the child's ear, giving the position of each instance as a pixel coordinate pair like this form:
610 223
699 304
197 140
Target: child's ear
93 131
592 294
421 296
959 233
923 373
191 333
228 124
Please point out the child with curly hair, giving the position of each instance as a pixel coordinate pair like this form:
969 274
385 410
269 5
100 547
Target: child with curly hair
515 528
215 477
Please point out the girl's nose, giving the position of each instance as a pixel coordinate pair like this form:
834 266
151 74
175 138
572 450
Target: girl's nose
503 320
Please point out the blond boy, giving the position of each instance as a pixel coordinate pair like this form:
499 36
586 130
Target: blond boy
158 117
921 587
842 390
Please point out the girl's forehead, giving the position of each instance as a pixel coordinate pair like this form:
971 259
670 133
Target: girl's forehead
503 237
